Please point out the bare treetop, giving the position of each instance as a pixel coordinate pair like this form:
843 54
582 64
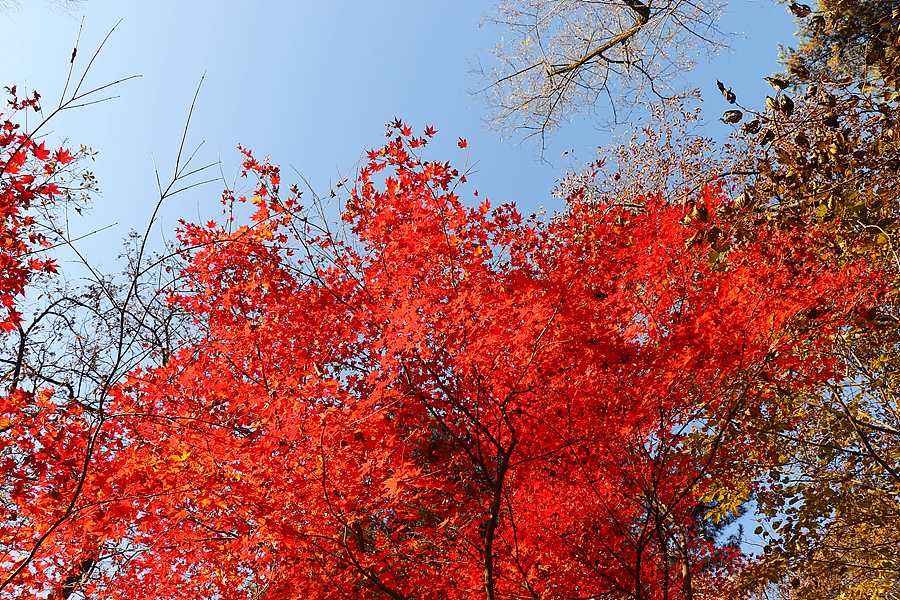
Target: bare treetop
563 58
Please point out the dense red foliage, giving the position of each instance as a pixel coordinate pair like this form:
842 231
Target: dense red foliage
433 400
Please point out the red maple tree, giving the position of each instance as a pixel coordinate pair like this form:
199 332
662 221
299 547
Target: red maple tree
427 399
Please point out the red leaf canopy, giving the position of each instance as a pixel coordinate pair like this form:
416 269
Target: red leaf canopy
432 400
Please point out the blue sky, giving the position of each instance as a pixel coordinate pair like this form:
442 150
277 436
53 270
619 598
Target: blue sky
309 83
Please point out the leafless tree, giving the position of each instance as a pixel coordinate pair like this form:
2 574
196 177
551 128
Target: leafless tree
564 58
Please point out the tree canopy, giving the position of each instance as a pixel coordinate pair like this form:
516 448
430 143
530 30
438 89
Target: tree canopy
430 395
436 397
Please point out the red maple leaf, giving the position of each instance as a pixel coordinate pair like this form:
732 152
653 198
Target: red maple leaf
40 152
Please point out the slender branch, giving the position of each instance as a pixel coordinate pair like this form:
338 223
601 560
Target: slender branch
62 96
865 440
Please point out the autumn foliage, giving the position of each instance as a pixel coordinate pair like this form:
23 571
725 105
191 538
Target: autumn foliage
432 399
42 445
26 178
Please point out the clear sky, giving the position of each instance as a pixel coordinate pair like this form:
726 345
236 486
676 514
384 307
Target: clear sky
310 83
